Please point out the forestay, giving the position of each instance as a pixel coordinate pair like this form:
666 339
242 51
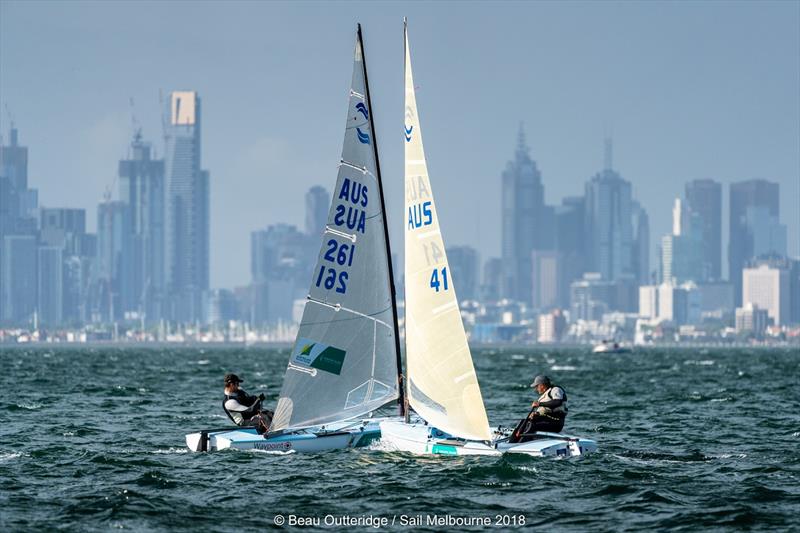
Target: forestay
442 385
344 360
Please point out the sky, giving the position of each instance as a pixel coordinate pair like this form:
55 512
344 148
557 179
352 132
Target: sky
687 90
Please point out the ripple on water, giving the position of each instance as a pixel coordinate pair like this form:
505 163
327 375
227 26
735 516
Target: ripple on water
673 448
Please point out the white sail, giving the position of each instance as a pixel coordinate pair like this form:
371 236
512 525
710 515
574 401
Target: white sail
344 360
442 384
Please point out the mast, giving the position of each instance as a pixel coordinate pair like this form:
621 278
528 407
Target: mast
400 381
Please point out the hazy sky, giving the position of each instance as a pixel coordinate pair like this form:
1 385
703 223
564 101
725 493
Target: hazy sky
688 90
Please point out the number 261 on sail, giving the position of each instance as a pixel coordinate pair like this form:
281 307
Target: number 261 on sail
330 279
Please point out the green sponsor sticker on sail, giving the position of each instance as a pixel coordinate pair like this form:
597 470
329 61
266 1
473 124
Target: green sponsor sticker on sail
318 355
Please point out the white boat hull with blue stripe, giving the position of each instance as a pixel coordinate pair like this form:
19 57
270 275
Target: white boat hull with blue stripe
311 440
422 439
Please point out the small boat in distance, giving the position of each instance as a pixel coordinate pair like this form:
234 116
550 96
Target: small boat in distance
345 362
609 346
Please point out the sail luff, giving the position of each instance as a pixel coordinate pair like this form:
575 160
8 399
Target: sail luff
390 267
442 385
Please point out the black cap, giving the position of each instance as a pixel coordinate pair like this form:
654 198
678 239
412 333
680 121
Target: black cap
232 378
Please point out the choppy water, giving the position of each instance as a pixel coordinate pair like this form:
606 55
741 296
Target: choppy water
92 439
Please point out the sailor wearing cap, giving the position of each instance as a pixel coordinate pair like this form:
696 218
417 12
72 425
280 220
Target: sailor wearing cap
242 408
547 413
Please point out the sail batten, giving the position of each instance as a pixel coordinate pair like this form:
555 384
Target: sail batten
442 384
344 361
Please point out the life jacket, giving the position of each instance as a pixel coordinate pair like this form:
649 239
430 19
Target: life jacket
557 412
238 417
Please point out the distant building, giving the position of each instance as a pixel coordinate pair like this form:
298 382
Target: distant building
66 226
141 187
753 202
716 296
318 202
281 259
463 261
640 253
550 288
50 285
18 205
570 242
19 296
187 209
750 318
221 306
113 291
682 251
767 286
704 198
492 279
648 302
593 296
680 304
14 161
524 222
552 326
609 224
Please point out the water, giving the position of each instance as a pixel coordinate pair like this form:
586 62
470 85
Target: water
92 439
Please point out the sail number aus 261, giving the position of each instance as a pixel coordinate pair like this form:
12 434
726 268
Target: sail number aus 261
338 254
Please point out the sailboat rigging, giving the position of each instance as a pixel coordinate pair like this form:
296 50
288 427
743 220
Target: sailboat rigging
345 362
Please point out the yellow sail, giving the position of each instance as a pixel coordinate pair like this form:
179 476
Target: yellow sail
442 384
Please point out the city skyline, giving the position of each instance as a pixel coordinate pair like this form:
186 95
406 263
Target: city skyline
257 148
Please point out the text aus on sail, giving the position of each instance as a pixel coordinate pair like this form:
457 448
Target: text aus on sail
350 216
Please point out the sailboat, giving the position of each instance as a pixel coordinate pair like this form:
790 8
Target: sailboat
441 382
345 362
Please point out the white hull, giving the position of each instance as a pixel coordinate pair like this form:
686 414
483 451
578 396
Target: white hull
310 440
422 439
610 348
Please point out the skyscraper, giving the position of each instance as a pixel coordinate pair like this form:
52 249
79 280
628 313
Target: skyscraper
187 209
112 282
19 286
682 250
754 226
64 229
704 198
318 202
570 244
640 254
141 188
609 224
18 227
522 224
463 262
14 161
550 289
50 285
492 279
281 260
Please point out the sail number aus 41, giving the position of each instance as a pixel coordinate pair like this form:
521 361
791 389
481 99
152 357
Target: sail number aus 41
439 280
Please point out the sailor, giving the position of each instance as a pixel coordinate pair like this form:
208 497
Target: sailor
243 409
547 413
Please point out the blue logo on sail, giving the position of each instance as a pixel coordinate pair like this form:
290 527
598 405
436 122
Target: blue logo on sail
363 137
408 133
361 108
